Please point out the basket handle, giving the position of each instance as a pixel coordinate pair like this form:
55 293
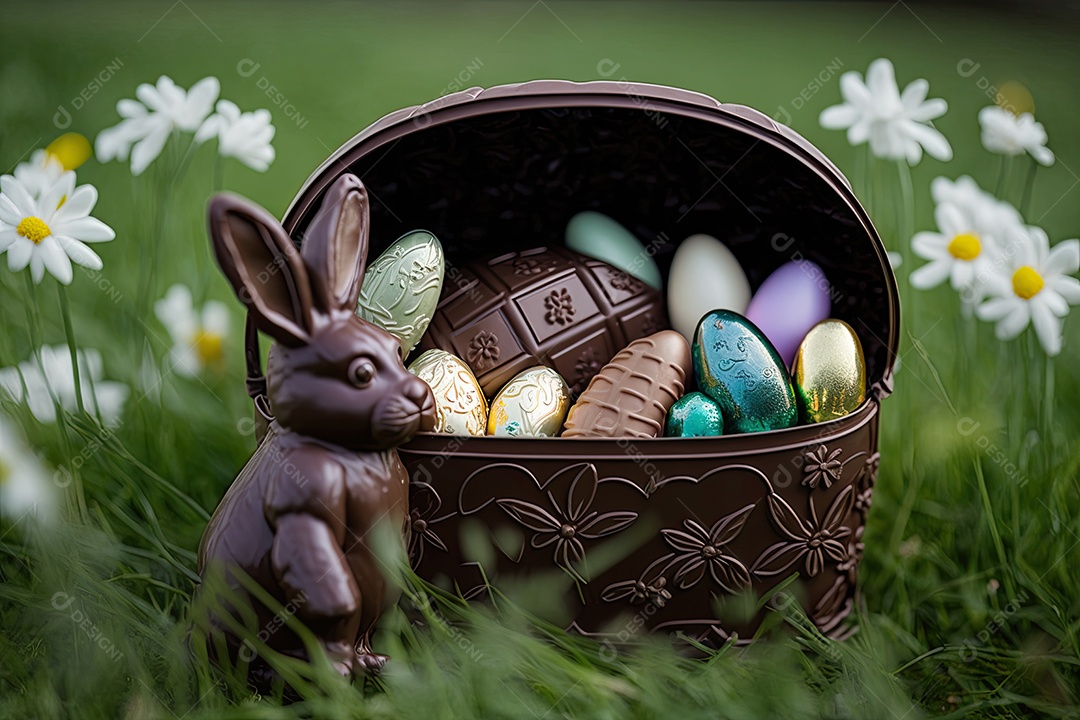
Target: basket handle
256 380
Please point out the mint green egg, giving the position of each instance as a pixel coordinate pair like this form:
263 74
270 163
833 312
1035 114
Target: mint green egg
694 415
401 287
598 236
736 365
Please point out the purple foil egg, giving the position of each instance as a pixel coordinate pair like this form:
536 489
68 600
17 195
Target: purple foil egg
792 300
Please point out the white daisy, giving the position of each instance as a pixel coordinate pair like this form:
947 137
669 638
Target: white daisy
1036 288
25 486
149 121
35 385
956 251
973 228
896 124
49 232
1006 134
40 172
244 136
198 337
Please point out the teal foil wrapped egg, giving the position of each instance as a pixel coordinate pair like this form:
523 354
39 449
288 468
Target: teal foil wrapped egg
598 236
402 286
694 415
738 367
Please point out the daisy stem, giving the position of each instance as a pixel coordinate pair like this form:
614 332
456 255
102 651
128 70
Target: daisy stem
860 177
1048 412
69 331
1002 172
1029 185
219 173
34 331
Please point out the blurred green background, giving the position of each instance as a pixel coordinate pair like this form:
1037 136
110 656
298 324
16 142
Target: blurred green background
950 547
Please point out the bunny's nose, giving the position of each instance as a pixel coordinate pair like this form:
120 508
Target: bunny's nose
419 392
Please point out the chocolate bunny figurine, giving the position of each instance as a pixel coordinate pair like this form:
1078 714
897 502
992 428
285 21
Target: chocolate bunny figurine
297 519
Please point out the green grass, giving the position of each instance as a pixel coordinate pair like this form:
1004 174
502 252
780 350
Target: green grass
970 583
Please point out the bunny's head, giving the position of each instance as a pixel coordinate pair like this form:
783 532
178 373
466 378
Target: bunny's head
331 375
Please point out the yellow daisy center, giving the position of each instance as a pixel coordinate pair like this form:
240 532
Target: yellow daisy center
71 149
209 346
965 246
1027 283
33 229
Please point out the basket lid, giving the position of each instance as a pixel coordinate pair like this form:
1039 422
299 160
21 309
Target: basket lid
504 168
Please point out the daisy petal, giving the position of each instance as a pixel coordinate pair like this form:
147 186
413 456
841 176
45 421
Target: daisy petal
935 143
914 94
1047 327
1063 258
839 117
929 110
881 78
55 259
930 275
1042 154
8 212
78 204
18 195
996 309
854 90
859 132
86 229
147 149
79 253
19 254
1013 323
1068 288
37 267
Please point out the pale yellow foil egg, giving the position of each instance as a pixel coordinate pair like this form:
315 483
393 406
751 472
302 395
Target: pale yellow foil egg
829 372
534 403
460 405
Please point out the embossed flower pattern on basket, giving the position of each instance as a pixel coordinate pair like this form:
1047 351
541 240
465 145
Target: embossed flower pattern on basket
850 565
638 591
821 467
699 548
483 350
422 515
568 521
813 541
559 306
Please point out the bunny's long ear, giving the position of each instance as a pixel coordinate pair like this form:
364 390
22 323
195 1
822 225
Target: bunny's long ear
264 268
335 245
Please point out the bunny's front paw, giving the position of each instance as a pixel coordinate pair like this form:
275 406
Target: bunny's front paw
369 663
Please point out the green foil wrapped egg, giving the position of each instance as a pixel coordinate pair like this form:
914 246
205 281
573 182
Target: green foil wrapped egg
401 287
829 372
460 405
694 415
738 367
533 403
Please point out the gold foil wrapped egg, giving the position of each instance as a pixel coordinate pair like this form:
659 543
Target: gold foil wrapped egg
460 405
534 402
829 372
402 286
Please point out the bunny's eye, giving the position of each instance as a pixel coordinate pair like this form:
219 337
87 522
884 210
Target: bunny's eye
361 372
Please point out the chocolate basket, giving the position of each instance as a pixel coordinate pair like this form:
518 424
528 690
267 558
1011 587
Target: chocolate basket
658 534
